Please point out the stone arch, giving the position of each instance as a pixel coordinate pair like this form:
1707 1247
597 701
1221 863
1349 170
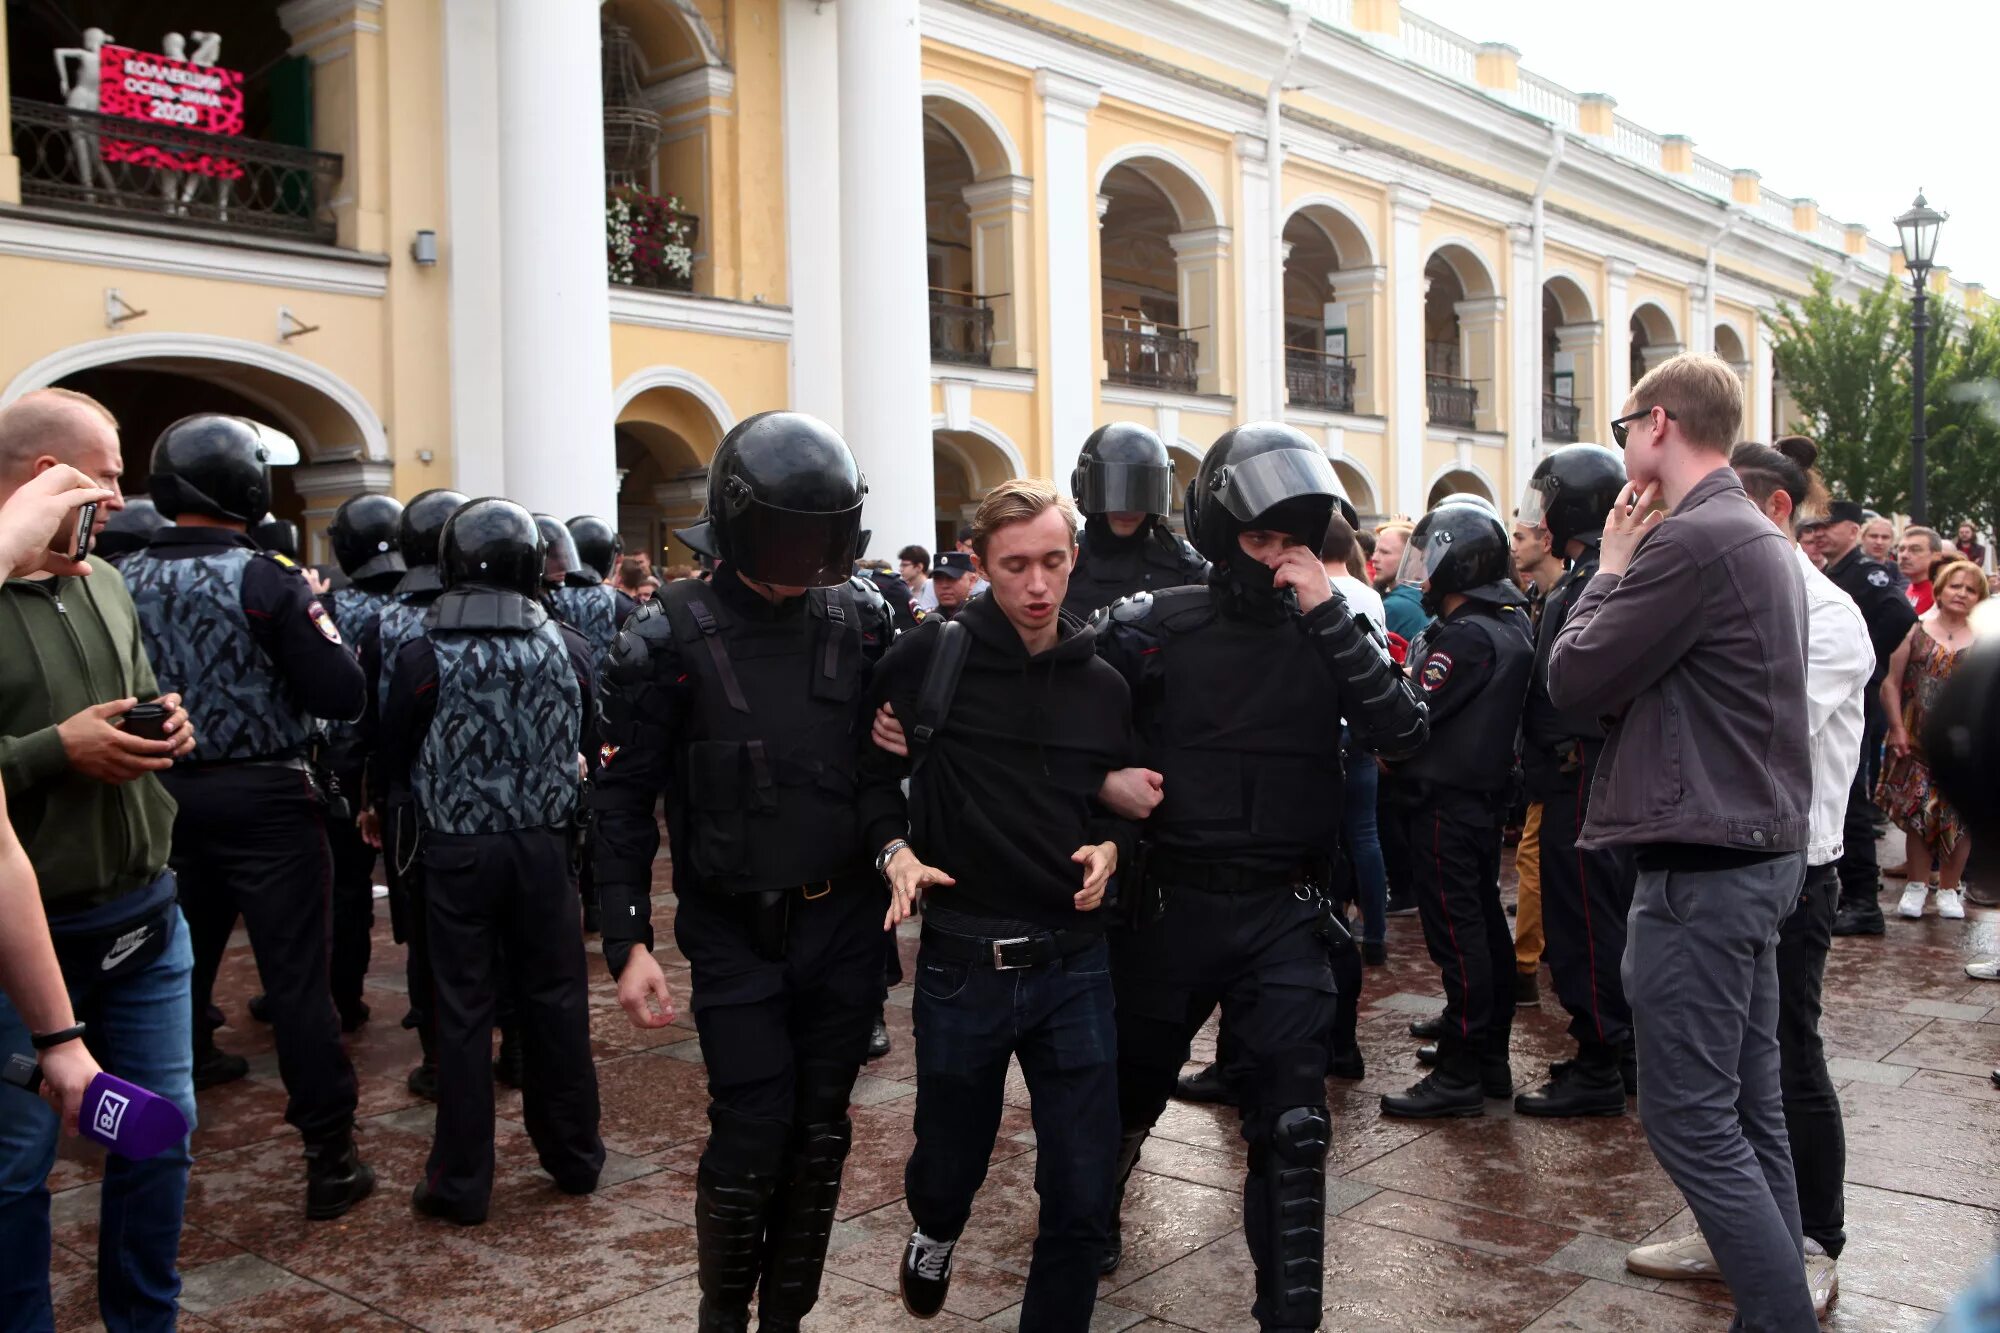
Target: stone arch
1195 202
673 36
1334 295
1475 276
1161 250
1462 317
1654 338
1572 298
1362 492
965 464
976 224
1467 478
978 131
1571 349
668 424
1729 344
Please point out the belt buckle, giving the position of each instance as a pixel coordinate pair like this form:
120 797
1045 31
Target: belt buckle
999 960
825 887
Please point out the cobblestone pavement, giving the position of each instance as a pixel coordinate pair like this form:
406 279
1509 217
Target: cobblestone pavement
1498 1223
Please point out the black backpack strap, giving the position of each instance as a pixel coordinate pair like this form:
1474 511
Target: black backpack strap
836 612
711 633
940 684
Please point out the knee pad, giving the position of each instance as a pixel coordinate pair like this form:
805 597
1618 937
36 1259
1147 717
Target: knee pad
1300 1135
739 1146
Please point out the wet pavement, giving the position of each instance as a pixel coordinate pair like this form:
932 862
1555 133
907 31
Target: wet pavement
1498 1223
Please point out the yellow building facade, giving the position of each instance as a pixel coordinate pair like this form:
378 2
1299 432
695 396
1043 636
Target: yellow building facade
965 232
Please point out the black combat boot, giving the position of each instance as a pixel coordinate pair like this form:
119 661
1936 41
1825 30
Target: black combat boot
1496 1075
336 1177
799 1223
1453 1088
1587 1085
732 1196
1206 1085
1128 1157
1428 1029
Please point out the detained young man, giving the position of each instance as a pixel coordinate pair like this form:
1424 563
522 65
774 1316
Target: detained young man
1009 846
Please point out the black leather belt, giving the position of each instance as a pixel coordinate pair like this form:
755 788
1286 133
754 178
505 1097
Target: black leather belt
1008 955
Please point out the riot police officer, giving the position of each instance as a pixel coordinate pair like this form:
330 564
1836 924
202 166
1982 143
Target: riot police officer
1472 663
391 821
1586 893
1124 485
745 699
365 543
127 530
587 599
1238 687
239 634
485 722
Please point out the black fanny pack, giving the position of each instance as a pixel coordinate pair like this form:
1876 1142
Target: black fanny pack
99 954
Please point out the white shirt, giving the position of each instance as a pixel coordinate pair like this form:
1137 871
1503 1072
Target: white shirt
924 598
1839 659
1363 599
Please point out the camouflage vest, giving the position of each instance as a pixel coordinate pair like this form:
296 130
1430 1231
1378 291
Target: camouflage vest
191 612
593 613
501 750
354 612
401 621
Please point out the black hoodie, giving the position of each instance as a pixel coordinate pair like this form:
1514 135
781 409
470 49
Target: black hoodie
1008 792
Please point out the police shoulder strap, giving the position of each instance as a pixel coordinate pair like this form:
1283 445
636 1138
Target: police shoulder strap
940 684
696 600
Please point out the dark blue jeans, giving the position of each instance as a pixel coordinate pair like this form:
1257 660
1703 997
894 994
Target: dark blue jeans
1057 1019
139 1030
1363 841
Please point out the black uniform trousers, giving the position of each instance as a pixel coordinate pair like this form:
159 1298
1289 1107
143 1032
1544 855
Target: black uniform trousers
1812 1107
1860 874
1261 953
1454 841
404 869
485 892
353 900
251 839
1586 896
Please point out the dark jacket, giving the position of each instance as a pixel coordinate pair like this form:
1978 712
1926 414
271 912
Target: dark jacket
1699 651
71 643
1008 792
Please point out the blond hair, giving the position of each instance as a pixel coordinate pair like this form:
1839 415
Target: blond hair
1703 395
1018 501
1946 573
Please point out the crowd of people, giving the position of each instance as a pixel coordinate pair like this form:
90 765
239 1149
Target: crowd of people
1125 777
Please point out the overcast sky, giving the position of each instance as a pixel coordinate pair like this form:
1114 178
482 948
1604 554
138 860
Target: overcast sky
1817 96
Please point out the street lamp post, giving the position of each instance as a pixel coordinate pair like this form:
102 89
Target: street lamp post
1918 231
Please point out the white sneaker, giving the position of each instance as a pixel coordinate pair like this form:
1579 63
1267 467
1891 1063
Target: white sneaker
1822 1280
1688 1257
1914 895
1986 969
1950 906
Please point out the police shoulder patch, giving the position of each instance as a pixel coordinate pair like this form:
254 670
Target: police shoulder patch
1436 671
1879 577
282 559
321 620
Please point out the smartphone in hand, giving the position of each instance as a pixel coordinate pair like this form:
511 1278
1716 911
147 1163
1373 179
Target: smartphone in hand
73 543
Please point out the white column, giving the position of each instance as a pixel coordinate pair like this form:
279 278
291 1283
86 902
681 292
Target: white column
1761 371
810 54
470 249
1409 418
1617 336
555 336
1075 331
885 309
1260 399
1525 343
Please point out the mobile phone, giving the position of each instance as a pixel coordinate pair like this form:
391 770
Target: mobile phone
148 721
74 544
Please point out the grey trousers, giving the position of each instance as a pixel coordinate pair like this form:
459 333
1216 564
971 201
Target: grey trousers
1701 971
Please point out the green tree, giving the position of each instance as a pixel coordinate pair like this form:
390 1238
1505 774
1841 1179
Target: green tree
1962 419
1840 362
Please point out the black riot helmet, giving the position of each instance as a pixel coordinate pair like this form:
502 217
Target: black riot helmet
418 533
277 535
365 533
1265 473
784 501
597 543
495 543
1123 469
1460 547
1572 491
559 556
129 529
215 465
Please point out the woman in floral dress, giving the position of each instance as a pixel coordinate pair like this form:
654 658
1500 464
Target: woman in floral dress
1917 674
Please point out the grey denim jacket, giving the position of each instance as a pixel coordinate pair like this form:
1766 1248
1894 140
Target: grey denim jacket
1699 654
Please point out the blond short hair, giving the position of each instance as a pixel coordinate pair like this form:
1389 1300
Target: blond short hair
1019 501
44 421
1961 568
1703 394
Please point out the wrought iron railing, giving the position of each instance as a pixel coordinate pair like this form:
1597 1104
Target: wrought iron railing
1453 401
1155 356
1559 419
1319 379
83 161
961 327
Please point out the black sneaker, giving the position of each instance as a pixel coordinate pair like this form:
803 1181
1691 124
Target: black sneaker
1401 903
423 1082
1437 1096
260 1008
336 1178
1858 921
878 1037
1428 1029
1527 989
430 1205
1579 1090
1375 954
213 1068
926 1275
1206 1086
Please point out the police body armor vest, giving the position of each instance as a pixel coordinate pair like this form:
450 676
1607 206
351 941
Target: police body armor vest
593 613
355 611
1544 727
191 611
1104 575
401 621
1247 737
767 773
1474 749
502 746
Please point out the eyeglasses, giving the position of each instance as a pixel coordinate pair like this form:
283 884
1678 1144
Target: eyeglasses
1619 427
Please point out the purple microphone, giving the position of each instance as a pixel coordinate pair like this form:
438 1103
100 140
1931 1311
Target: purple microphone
122 1116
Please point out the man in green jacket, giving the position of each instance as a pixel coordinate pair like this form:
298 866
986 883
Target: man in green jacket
96 823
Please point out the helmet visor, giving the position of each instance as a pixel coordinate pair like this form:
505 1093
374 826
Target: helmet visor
792 548
1265 481
1535 501
1125 488
1423 557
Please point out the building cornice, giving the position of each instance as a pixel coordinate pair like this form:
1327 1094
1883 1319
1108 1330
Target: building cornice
1002 378
340 273
700 314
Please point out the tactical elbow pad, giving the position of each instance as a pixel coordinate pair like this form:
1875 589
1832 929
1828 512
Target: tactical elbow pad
1386 712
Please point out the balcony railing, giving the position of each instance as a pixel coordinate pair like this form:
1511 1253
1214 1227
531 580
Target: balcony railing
1559 418
1153 355
1453 401
961 327
1317 379
86 162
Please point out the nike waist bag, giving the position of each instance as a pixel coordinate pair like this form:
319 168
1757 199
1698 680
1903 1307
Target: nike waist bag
118 939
